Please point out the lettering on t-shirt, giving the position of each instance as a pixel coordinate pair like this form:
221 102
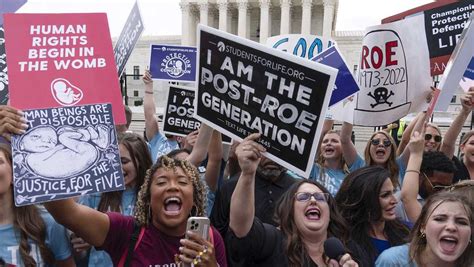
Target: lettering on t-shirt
165 265
15 254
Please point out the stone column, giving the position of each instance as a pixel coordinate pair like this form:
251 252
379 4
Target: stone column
328 17
185 18
306 16
285 16
203 12
223 6
264 20
242 21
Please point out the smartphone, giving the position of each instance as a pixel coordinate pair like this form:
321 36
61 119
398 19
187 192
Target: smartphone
199 225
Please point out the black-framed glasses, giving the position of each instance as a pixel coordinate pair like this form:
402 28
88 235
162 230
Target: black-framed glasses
437 138
376 142
306 196
435 187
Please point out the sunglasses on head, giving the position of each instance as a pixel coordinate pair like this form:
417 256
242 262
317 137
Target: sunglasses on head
306 196
376 142
437 138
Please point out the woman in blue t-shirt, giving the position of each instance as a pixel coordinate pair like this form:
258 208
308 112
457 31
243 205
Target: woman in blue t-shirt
366 200
29 236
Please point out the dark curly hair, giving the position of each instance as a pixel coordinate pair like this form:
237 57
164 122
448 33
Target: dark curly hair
436 161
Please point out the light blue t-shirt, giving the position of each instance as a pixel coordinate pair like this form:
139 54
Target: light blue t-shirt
395 257
332 178
98 257
159 145
56 240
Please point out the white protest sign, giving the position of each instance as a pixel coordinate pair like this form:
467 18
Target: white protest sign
456 67
301 45
394 75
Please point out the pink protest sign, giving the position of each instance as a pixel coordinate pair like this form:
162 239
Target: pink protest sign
59 60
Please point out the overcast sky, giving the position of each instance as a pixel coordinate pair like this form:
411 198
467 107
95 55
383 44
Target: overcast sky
163 17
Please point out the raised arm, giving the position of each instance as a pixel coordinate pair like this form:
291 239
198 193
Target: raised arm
200 148
78 218
410 187
327 126
420 117
449 140
349 151
214 159
242 205
149 108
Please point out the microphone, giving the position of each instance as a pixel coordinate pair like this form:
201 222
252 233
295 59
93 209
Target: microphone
334 248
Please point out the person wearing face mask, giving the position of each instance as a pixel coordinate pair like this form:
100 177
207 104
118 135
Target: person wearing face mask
427 172
367 200
271 181
442 236
306 215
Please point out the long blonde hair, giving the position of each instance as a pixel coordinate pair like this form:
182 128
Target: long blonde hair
391 164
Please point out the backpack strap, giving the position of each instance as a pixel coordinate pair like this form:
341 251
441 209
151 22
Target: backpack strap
135 239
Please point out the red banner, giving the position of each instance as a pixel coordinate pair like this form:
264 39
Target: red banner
59 60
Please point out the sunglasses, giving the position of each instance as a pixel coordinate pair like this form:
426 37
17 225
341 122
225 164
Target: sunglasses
305 196
437 138
436 188
376 142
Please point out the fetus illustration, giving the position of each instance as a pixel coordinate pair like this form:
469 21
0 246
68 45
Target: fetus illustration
64 152
65 93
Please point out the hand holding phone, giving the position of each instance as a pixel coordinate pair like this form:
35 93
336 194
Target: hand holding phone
196 247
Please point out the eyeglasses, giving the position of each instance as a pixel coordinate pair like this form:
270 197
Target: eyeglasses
437 138
376 142
306 196
436 187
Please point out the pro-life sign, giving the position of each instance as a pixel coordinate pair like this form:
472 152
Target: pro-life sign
66 152
244 87
173 63
179 116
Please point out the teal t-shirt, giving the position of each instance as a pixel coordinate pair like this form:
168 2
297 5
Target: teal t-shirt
56 240
98 257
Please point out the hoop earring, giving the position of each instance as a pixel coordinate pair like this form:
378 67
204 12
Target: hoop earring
149 213
194 210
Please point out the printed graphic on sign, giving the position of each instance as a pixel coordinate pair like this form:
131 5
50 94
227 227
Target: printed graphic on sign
61 60
173 63
244 87
444 26
345 82
128 38
66 152
65 93
394 73
467 81
305 46
179 116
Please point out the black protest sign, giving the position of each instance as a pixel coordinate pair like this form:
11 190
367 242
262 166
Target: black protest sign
179 114
179 119
66 152
443 26
244 87
128 38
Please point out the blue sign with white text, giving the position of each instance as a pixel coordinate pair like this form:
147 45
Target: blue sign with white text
470 70
345 85
173 63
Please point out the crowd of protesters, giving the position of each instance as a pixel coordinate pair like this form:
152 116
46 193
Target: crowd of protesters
406 205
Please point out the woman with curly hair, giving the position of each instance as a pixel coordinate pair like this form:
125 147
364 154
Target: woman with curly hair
306 213
29 236
171 192
442 235
366 200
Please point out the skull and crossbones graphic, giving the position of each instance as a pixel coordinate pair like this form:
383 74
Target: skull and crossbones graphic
381 96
